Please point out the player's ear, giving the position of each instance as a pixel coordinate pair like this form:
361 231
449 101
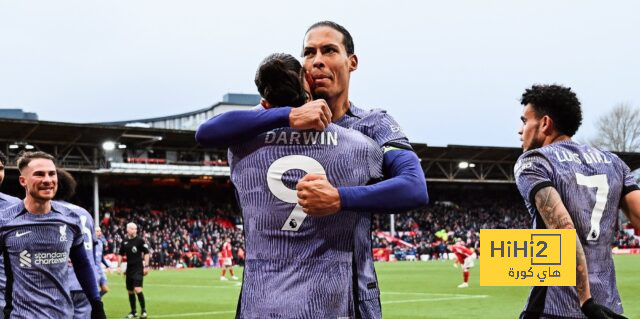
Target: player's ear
547 125
265 103
22 180
353 62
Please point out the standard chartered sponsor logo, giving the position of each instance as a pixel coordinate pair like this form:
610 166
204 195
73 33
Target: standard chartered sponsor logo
26 259
50 258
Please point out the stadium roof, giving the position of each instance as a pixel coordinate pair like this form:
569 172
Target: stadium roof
44 132
17 114
473 164
451 163
192 119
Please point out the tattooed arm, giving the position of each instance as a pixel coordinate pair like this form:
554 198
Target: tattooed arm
556 216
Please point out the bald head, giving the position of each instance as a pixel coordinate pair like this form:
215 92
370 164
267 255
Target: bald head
132 230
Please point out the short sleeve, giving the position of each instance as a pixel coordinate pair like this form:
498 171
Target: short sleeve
630 183
532 172
375 157
388 133
78 235
122 250
145 247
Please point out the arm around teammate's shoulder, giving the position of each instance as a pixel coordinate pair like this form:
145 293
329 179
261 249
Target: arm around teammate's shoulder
403 190
235 127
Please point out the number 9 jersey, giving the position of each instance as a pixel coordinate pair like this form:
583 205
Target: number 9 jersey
591 183
299 266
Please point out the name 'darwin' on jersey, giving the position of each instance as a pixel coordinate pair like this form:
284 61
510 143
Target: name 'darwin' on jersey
301 138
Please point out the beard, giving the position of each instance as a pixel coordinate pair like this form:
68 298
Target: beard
35 194
320 95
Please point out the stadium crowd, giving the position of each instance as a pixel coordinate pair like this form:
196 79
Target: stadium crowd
189 234
180 235
626 240
430 230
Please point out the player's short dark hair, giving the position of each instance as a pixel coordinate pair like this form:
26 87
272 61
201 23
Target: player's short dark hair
3 159
558 102
24 158
279 80
66 185
347 40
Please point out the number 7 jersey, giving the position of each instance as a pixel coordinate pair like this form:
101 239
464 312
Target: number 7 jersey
591 183
299 266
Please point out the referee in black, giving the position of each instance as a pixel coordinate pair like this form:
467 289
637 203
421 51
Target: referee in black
136 250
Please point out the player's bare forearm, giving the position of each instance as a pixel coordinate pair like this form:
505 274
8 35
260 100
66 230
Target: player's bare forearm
582 275
630 205
555 216
146 260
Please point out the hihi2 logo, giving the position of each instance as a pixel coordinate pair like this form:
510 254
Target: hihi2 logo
528 257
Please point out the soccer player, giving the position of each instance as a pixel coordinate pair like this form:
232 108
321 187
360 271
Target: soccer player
227 260
37 238
66 189
329 59
99 250
465 257
137 253
297 266
568 185
5 201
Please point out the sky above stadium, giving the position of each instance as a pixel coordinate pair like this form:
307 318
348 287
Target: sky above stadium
450 72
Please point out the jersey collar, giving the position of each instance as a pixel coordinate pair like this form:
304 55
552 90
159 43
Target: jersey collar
55 208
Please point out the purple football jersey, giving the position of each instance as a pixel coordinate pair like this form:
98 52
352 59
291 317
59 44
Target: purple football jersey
382 128
591 183
36 249
98 251
5 201
88 235
299 266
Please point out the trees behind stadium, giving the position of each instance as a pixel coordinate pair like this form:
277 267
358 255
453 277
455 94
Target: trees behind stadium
619 129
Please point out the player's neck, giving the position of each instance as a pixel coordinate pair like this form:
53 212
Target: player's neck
555 138
37 206
339 106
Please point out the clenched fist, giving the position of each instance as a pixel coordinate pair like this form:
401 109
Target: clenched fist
314 115
317 196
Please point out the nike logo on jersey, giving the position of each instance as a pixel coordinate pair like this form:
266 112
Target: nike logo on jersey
19 234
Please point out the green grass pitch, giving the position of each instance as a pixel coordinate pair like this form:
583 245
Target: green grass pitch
409 290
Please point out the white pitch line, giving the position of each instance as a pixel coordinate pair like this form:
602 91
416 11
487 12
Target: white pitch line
197 314
237 285
432 299
429 294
